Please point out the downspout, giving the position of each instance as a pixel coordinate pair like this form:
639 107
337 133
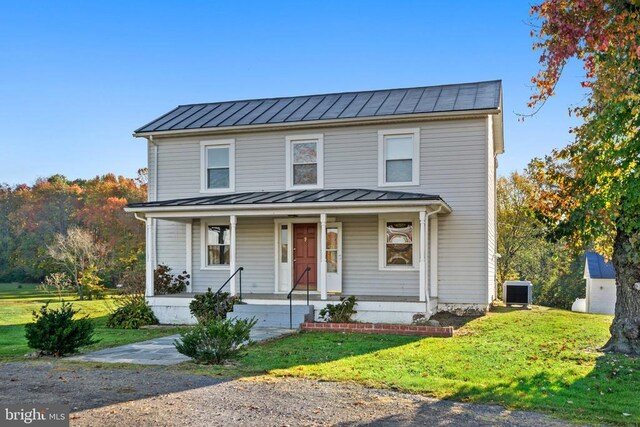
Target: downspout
428 290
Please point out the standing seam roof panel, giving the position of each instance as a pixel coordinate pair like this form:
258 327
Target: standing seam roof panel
301 112
264 106
418 100
391 104
219 109
410 101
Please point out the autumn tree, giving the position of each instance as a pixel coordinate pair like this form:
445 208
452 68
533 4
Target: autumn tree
526 252
590 190
79 254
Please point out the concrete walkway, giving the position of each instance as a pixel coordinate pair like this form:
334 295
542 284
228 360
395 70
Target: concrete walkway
161 351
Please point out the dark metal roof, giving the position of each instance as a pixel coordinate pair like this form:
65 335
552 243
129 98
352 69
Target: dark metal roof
296 196
347 105
598 267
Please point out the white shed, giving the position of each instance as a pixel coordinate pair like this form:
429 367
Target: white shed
601 284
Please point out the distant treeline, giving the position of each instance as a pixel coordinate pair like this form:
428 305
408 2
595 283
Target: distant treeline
31 216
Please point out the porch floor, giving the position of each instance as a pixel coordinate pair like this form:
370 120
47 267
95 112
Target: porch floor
301 295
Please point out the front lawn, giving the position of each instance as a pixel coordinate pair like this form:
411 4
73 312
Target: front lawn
17 302
544 360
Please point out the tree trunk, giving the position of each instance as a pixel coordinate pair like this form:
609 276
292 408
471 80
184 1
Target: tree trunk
625 329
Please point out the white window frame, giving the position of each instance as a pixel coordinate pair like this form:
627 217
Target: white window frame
415 164
293 139
203 243
204 145
382 242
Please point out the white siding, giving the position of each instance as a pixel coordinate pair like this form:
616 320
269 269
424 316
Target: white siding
454 157
255 249
360 273
171 237
601 296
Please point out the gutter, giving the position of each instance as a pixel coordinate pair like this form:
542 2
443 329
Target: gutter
285 206
324 123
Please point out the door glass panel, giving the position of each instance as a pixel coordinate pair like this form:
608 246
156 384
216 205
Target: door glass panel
284 243
332 238
332 261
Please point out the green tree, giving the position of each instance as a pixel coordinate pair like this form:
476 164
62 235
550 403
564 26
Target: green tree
526 252
590 190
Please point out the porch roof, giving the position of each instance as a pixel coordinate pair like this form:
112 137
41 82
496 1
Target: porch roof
306 198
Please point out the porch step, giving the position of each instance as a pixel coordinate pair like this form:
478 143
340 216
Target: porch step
273 315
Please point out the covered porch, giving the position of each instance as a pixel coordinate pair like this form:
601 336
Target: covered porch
379 246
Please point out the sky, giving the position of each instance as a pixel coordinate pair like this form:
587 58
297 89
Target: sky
76 78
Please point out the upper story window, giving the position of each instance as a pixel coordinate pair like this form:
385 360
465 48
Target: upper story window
398 157
305 166
218 166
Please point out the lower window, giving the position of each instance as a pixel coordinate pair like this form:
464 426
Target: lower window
397 244
218 245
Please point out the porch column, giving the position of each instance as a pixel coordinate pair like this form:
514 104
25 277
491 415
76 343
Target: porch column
424 222
188 258
149 258
433 258
323 256
232 253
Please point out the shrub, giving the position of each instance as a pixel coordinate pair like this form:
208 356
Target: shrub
89 282
58 283
216 341
340 312
166 283
56 332
133 312
210 306
133 280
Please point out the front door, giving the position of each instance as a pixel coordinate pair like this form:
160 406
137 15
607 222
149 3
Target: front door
305 254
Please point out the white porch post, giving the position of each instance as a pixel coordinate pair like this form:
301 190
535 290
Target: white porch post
323 256
232 254
424 221
188 259
433 264
149 247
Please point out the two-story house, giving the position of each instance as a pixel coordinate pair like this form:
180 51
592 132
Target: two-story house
387 195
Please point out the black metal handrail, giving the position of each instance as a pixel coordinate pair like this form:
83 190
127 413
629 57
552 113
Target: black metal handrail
239 273
293 288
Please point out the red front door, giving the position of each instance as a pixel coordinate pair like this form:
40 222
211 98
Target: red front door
305 254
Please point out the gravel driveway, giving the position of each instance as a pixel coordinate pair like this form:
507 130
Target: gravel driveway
106 396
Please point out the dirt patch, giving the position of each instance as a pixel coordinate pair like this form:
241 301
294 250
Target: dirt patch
446 318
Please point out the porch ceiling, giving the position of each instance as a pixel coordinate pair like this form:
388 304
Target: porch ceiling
335 198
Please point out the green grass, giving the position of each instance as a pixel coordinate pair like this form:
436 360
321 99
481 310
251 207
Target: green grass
17 302
543 360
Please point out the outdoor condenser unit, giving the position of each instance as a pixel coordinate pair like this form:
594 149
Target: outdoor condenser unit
517 292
